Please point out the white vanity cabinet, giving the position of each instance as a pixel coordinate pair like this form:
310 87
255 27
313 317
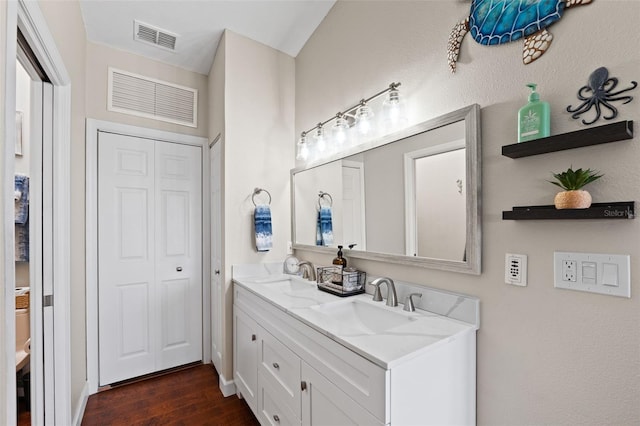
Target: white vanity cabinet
293 373
245 356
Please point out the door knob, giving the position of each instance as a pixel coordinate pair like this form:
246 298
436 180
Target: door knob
179 269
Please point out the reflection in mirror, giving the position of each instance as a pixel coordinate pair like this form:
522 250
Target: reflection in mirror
435 202
409 198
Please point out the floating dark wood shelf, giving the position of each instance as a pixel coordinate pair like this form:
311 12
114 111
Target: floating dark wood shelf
614 132
617 210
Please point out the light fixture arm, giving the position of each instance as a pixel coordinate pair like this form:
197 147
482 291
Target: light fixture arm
350 112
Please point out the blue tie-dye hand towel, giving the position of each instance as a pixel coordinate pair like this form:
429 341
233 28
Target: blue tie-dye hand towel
262 222
21 199
324 227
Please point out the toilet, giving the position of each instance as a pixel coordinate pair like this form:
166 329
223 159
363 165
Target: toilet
22 338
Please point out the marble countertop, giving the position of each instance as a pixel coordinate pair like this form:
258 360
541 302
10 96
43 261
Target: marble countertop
386 336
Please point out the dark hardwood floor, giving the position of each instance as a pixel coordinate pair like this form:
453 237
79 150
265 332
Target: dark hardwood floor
186 397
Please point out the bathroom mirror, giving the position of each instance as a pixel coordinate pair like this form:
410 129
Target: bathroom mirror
412 197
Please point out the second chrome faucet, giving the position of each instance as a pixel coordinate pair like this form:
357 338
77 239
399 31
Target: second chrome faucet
392 297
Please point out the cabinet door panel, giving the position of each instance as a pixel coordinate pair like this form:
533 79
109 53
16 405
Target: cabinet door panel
323 403
245 354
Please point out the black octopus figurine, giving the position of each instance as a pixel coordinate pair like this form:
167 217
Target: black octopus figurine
599 91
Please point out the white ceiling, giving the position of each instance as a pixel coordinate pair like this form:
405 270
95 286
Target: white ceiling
285 25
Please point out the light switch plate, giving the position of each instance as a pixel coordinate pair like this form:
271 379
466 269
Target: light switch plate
515 269
592 272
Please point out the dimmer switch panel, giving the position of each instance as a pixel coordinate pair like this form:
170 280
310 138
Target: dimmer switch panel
596 273
515 269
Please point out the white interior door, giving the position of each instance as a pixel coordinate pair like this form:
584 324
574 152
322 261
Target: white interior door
354 224
149 256
178 262
215 158
45 378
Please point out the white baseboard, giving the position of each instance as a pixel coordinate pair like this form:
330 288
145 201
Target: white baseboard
228 387
81 405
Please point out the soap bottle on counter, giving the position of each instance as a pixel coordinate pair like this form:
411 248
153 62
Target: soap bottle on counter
534 118
342 262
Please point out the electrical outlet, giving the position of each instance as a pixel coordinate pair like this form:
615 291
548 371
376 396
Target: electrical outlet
515 269
593 272
289 247
569 272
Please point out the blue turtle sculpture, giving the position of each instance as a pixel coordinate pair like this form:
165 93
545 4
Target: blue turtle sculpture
501 21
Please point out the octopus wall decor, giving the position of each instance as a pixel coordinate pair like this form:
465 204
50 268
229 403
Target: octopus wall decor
600 92
493 22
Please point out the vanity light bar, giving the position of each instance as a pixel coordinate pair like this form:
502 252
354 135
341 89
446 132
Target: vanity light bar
350 112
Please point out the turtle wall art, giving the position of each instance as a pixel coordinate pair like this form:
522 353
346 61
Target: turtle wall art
493 22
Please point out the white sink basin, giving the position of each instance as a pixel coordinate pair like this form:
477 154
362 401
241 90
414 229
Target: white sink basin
288 285
355 316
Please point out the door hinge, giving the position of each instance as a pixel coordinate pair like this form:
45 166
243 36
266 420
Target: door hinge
47 300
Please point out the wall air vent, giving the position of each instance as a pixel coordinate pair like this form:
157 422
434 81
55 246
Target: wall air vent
146 97
153 35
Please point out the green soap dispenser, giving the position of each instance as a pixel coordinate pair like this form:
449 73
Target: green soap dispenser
534 118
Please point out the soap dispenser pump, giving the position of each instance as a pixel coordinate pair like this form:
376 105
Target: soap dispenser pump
534 118
342 262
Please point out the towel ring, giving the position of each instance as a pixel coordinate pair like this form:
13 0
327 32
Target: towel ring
321 196
256 192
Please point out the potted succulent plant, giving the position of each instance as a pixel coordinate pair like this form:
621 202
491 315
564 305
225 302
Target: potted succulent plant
572 181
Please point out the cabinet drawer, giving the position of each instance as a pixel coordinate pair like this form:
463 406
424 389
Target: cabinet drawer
273 407
282 366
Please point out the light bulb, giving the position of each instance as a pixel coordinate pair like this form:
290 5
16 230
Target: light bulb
339 130
393 109
364 120
321 142
303 148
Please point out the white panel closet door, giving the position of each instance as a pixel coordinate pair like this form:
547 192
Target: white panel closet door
149 266
178 253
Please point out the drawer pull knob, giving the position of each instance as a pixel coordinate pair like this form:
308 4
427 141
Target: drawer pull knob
276 365
179 269
253 337
276 418
303 385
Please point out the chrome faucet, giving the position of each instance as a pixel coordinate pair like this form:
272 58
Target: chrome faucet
308 271
408 303
392 297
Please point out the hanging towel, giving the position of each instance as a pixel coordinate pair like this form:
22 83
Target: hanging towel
22 242
262 222
324 227
21 199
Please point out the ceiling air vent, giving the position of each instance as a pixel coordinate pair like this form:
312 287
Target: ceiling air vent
146 97
154 35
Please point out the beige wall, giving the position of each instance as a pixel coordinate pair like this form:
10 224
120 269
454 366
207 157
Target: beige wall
101 57
545 356
258 130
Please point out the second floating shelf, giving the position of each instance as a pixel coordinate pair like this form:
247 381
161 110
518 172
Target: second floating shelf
617 210
613 132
